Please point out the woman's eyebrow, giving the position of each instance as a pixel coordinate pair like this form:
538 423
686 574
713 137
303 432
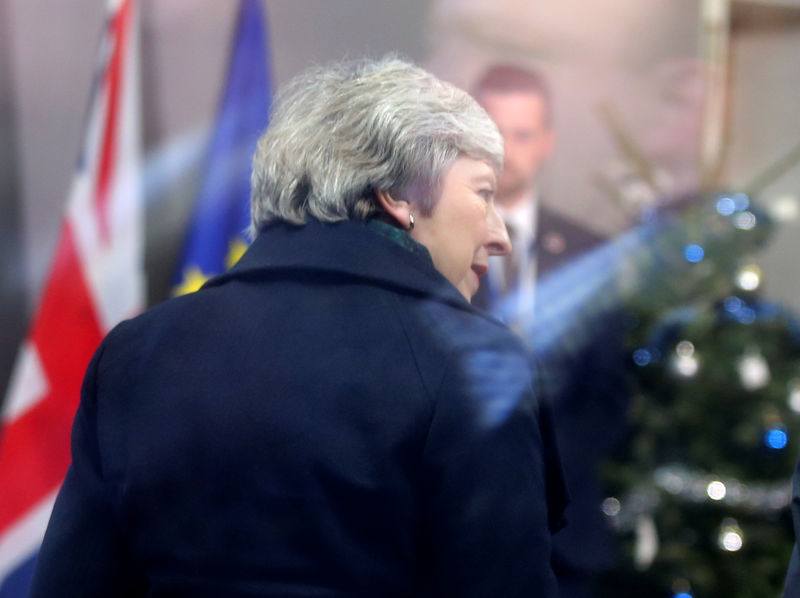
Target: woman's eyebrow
483 178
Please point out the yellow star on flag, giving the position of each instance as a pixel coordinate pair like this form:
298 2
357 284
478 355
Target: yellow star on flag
193 279
235 251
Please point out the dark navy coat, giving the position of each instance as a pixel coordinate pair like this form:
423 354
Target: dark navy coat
329 418
791 587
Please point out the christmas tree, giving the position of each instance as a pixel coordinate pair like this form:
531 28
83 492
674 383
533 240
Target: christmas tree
699 491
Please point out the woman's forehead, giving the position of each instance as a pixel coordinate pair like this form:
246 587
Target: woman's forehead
472 170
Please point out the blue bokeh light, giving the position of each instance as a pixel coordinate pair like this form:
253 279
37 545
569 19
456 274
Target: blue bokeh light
746 315
642 357
740 201
776 438
733 304
694 253
726 206
683 595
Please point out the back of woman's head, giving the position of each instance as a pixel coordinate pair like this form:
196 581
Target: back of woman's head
341 132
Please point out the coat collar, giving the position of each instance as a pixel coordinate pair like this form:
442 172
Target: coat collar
345 248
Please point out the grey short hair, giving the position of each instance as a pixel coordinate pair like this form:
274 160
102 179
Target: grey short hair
340 133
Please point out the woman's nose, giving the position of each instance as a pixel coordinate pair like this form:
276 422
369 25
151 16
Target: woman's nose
499 241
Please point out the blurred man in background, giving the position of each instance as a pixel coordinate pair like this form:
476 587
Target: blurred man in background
519 102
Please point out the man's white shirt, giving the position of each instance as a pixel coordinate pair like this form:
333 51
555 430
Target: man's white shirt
521 220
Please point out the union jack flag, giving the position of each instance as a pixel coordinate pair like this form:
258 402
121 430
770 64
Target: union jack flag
96 279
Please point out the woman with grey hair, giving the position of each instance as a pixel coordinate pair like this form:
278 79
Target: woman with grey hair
331 417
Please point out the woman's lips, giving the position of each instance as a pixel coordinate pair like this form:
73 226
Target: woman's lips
480 269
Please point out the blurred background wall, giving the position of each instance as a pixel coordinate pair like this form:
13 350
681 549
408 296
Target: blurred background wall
765 125
635 59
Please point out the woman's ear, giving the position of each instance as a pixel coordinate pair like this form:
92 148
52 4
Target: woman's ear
399 210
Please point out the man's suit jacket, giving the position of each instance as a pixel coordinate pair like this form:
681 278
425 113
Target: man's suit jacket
589 409
560 240
329 418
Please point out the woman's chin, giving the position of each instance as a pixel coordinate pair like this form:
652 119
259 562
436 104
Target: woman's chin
469 286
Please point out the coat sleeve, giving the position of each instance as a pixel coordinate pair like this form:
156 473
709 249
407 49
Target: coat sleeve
485 480
83 553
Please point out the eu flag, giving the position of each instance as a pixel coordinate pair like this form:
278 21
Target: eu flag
216 236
